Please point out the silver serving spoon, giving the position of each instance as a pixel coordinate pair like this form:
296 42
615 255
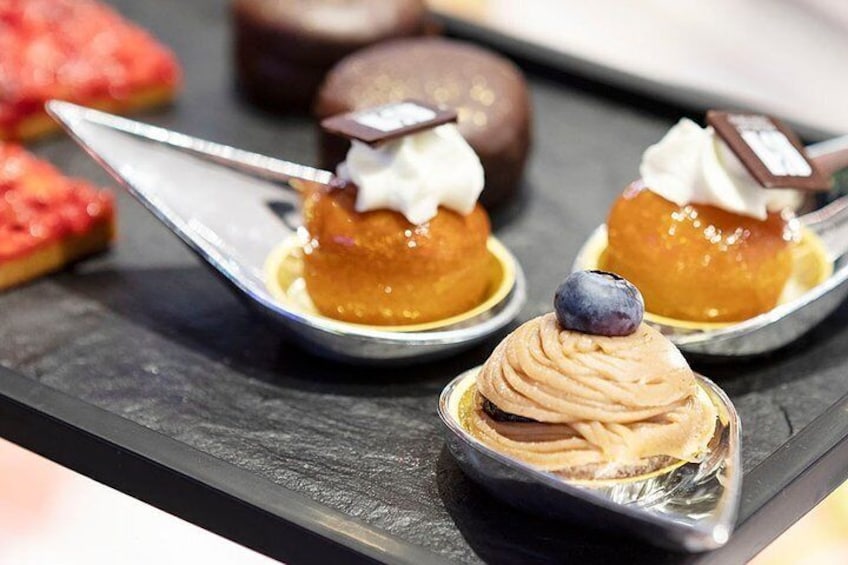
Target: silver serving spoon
221 202
789 320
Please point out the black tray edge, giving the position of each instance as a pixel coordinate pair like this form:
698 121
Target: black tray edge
803 480
187 483
250 510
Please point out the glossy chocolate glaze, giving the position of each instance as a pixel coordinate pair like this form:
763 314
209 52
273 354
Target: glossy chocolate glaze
488 92
283 48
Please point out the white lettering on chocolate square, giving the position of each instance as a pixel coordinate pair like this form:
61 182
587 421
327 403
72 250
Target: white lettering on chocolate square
395 116
777 153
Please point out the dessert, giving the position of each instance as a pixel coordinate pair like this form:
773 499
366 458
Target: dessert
488 91
401 239
589 392
79 51
699 234
46 220
283 48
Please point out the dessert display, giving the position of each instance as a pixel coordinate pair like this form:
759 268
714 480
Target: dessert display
400 239
80 51
590 415
46 220
587 398
589 392
403 213
488 91
283 48
705 234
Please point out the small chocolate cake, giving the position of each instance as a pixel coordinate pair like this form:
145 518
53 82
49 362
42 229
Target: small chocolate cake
283 48
488 92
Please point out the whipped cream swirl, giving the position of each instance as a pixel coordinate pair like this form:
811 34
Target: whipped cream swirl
692 165
415 174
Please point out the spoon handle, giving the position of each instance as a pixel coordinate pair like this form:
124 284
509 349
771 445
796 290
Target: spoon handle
830 156
830 222
254 164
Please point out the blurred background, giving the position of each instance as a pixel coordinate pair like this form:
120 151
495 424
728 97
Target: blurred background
777 56
49 514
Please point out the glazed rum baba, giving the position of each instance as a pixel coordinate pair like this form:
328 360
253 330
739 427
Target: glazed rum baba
698 235
589 392
400 239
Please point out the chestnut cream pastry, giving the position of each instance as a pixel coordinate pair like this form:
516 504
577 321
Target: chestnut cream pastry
590 392
402 240
699 236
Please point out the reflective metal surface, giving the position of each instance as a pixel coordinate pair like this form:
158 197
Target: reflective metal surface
691 507
230 208
789 320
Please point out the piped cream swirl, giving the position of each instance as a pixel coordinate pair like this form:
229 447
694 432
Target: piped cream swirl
692 165
597 400
415 174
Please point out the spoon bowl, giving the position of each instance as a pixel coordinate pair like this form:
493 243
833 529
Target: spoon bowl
816 288
233 208
688 506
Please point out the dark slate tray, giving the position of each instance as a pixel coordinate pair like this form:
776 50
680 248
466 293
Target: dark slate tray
140 369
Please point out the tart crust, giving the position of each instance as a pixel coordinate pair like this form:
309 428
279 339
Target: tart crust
47 220
40 124
55 255
80 51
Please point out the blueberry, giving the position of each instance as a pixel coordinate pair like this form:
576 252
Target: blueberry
599 303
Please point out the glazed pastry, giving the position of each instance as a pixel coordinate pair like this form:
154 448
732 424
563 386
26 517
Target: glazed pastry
698 235
283 48
79 51
46 220
488 91
589 392
403 240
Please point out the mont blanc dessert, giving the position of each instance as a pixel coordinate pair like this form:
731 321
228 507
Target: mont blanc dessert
589 392
699 234
400 239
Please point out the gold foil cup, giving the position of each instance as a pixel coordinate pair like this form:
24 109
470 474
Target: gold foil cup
284 278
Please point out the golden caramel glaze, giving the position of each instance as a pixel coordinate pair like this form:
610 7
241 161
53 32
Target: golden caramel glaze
698 262
378 268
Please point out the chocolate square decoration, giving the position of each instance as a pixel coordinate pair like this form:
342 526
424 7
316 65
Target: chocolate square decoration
382 123
769 150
